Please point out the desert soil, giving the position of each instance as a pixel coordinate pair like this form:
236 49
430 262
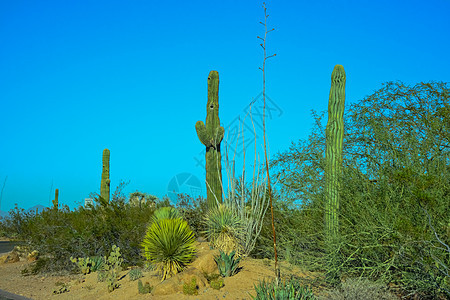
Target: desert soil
239 286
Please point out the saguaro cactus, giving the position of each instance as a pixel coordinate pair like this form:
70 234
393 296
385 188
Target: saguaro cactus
55 202
104 187
334 141
211 136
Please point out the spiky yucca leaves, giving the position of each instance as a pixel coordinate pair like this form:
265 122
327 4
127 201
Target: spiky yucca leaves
166 213
169 245
223 227
227 264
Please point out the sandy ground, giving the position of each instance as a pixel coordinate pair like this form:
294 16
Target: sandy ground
239 286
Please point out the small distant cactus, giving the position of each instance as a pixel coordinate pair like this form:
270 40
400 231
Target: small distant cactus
191 288
105 183
144 288
55 202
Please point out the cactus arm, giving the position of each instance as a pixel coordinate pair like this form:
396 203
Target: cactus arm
202 133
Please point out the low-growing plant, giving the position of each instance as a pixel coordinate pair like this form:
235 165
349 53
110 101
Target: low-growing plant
360 289
284 290
88 264
216 284
62 288
112 268
191 288
135 274
227 263
144 288
169 244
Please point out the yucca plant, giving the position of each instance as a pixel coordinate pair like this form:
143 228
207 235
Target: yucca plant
169 245
284 290
166 213
227 263
223 227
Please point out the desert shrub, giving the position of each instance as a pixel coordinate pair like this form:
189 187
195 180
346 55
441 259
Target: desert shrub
223 227
144 288
61 234
135 274
360 289
193 211
284 290
166 212
169 244
89 264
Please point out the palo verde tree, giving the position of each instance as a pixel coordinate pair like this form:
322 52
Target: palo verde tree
393 213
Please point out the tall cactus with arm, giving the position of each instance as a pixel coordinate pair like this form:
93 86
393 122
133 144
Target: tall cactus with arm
55 201
211 135
105 183
333 168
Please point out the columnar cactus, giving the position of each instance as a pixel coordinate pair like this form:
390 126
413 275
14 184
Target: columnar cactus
104 187
55 202
334 141
211 136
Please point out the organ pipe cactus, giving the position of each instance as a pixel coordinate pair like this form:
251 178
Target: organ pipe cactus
333 169
105 183
211 135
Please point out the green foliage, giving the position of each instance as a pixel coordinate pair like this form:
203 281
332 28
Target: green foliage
216 284
165 213
135 274
395 171
223 227
284 290
61 234
191 288
144 288
88 264
360 289
169 244
211 134
193 211
227 263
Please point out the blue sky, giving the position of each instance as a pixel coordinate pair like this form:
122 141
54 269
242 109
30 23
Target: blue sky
80 76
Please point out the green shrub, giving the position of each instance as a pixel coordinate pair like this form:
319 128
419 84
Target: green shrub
360 289
135 274
216 284
223 228
193 211
166 213
144 288
227 263
169 244
191 288
285 290
88 264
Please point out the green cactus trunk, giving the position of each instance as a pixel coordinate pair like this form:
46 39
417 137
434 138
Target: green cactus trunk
105 183
211 136
55 202
333 167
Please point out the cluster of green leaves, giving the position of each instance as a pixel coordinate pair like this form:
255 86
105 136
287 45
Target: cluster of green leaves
228 264
192 210
89 264
393 219
284 290
135 274
169 243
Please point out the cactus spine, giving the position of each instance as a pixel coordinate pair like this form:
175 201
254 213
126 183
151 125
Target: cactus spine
211 136
104 187
55 202
333 169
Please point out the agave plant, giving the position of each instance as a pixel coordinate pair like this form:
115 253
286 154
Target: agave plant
169 245
166 213
227 264
223 227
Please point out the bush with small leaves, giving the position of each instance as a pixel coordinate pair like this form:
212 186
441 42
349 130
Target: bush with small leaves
359 289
